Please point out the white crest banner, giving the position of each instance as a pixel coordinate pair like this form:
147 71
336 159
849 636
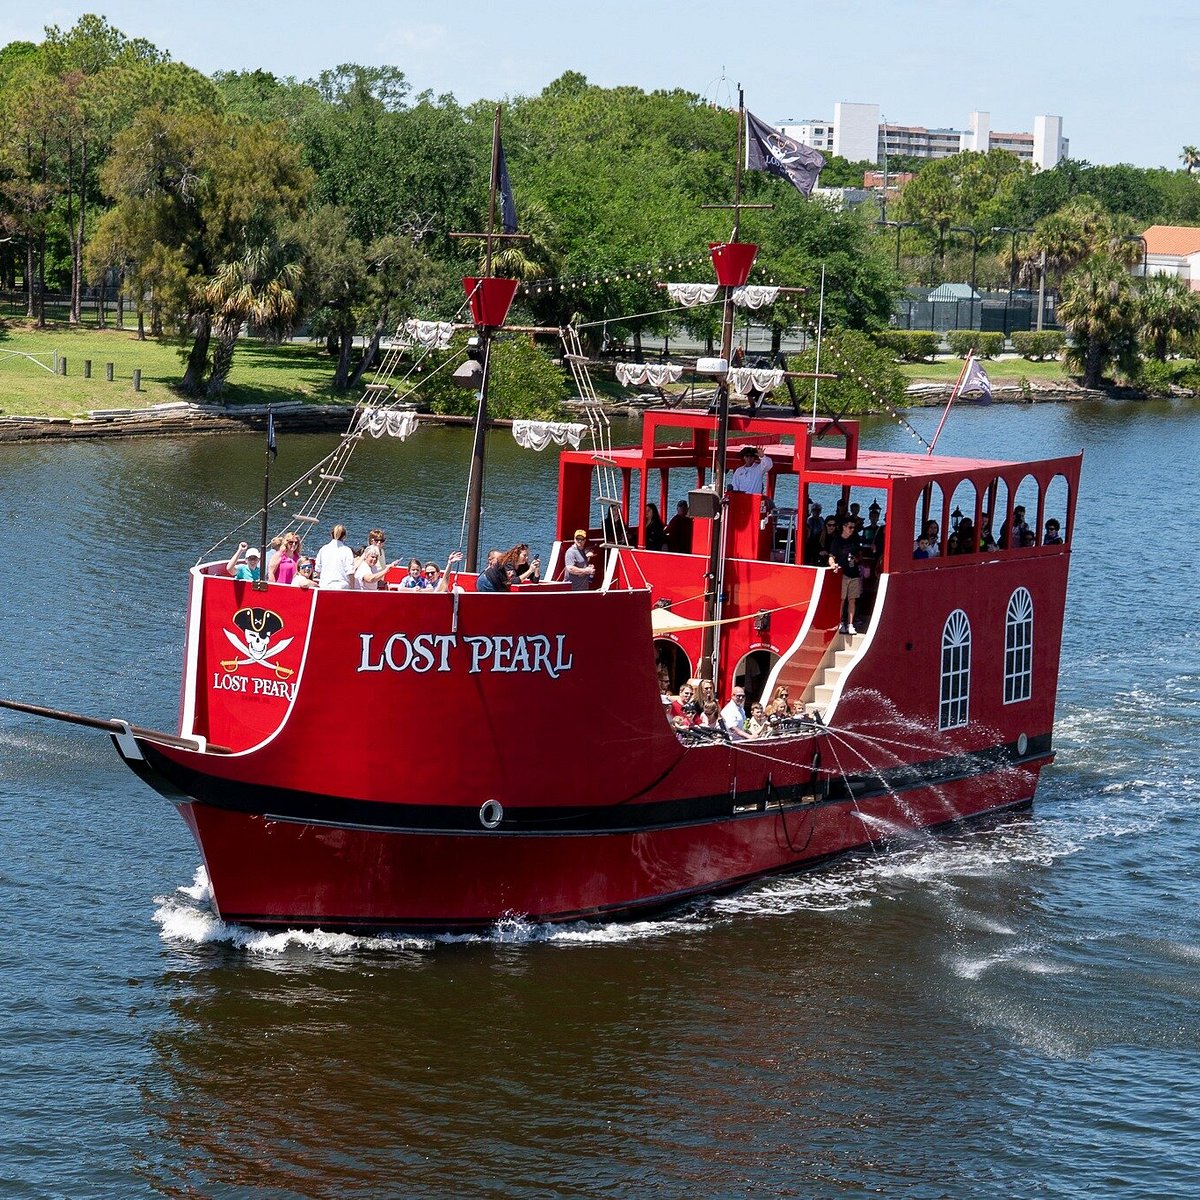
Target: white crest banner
387 422
754 296
537 435
655 374
691 294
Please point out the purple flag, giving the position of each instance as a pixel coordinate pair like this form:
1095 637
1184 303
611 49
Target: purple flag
976 380
769 150
508 206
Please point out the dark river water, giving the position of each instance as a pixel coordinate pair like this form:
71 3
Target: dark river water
1008 1011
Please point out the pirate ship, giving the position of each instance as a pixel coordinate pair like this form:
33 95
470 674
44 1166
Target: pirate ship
938 710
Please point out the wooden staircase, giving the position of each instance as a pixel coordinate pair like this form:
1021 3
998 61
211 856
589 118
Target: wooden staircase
839 654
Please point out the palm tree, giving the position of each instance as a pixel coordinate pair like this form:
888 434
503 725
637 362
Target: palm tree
261 288
1097 308
1074 232
1191 158
1167 310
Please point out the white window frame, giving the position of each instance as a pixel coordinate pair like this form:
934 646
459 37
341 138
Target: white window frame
1018 647
955 701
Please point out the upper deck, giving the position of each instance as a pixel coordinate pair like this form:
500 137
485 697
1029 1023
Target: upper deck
677 452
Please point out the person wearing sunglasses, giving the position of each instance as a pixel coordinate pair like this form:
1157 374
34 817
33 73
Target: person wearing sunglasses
282 568
440 578
304 574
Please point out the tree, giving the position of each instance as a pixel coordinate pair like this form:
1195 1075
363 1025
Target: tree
1191 158
90 63
970 189
1097 307
205 199
1076 231
28 185
867 377
260 288
523 382
1168 312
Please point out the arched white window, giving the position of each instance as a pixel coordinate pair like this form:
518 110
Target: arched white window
1018 647
956 671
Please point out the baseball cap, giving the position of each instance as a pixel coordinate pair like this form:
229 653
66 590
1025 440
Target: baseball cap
580 533
253 553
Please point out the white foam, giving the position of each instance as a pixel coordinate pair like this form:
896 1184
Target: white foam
186 919
195 924
200 889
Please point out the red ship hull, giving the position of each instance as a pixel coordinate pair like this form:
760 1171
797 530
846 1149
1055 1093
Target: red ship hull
356 879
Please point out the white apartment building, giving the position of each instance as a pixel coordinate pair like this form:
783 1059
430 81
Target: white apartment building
858 134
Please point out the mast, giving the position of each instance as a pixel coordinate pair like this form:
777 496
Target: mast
489 298
714 579
475 478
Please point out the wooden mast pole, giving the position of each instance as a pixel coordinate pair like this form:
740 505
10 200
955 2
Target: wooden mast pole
715 577
475 479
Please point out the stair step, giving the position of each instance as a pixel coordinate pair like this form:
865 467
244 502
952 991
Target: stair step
822 695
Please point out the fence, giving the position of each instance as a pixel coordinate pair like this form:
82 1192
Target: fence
993 312
58 308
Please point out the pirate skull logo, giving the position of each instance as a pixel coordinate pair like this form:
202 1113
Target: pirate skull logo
258 626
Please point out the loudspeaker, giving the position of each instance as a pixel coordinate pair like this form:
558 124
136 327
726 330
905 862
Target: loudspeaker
703 503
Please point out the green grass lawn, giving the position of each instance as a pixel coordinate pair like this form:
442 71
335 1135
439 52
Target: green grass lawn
261 373
1007 370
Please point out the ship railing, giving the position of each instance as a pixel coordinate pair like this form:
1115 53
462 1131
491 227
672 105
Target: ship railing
608 476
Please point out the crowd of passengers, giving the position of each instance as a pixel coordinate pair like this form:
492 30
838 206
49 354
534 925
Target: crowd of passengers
339 567
965 539
696 707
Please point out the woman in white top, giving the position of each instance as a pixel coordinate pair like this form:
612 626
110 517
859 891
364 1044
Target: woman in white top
368 572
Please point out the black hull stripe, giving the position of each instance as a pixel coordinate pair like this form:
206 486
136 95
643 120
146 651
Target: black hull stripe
638 908
181 785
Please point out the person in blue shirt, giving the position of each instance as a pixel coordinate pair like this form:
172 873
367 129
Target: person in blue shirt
246 564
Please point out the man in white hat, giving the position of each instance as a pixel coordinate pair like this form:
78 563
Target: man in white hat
751 476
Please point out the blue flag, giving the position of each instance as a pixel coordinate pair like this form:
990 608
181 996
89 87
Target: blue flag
976 380
508 207
769 150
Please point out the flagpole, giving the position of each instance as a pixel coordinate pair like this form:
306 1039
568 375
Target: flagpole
260 584
961 376
820 324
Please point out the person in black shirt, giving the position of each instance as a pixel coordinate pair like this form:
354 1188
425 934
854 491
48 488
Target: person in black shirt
679 530
843 554
654 533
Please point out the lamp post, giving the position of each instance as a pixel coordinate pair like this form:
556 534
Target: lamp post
1016 231
1137 237
974 260
897 226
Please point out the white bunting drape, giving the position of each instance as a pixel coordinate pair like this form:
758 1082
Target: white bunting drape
754 296
691 294
655 374
434 335
387 422
537 435
743 379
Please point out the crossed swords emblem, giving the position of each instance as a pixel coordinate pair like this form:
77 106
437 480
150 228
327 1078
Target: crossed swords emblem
251 659
258 626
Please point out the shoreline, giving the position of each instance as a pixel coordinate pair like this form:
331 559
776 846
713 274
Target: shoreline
181 418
